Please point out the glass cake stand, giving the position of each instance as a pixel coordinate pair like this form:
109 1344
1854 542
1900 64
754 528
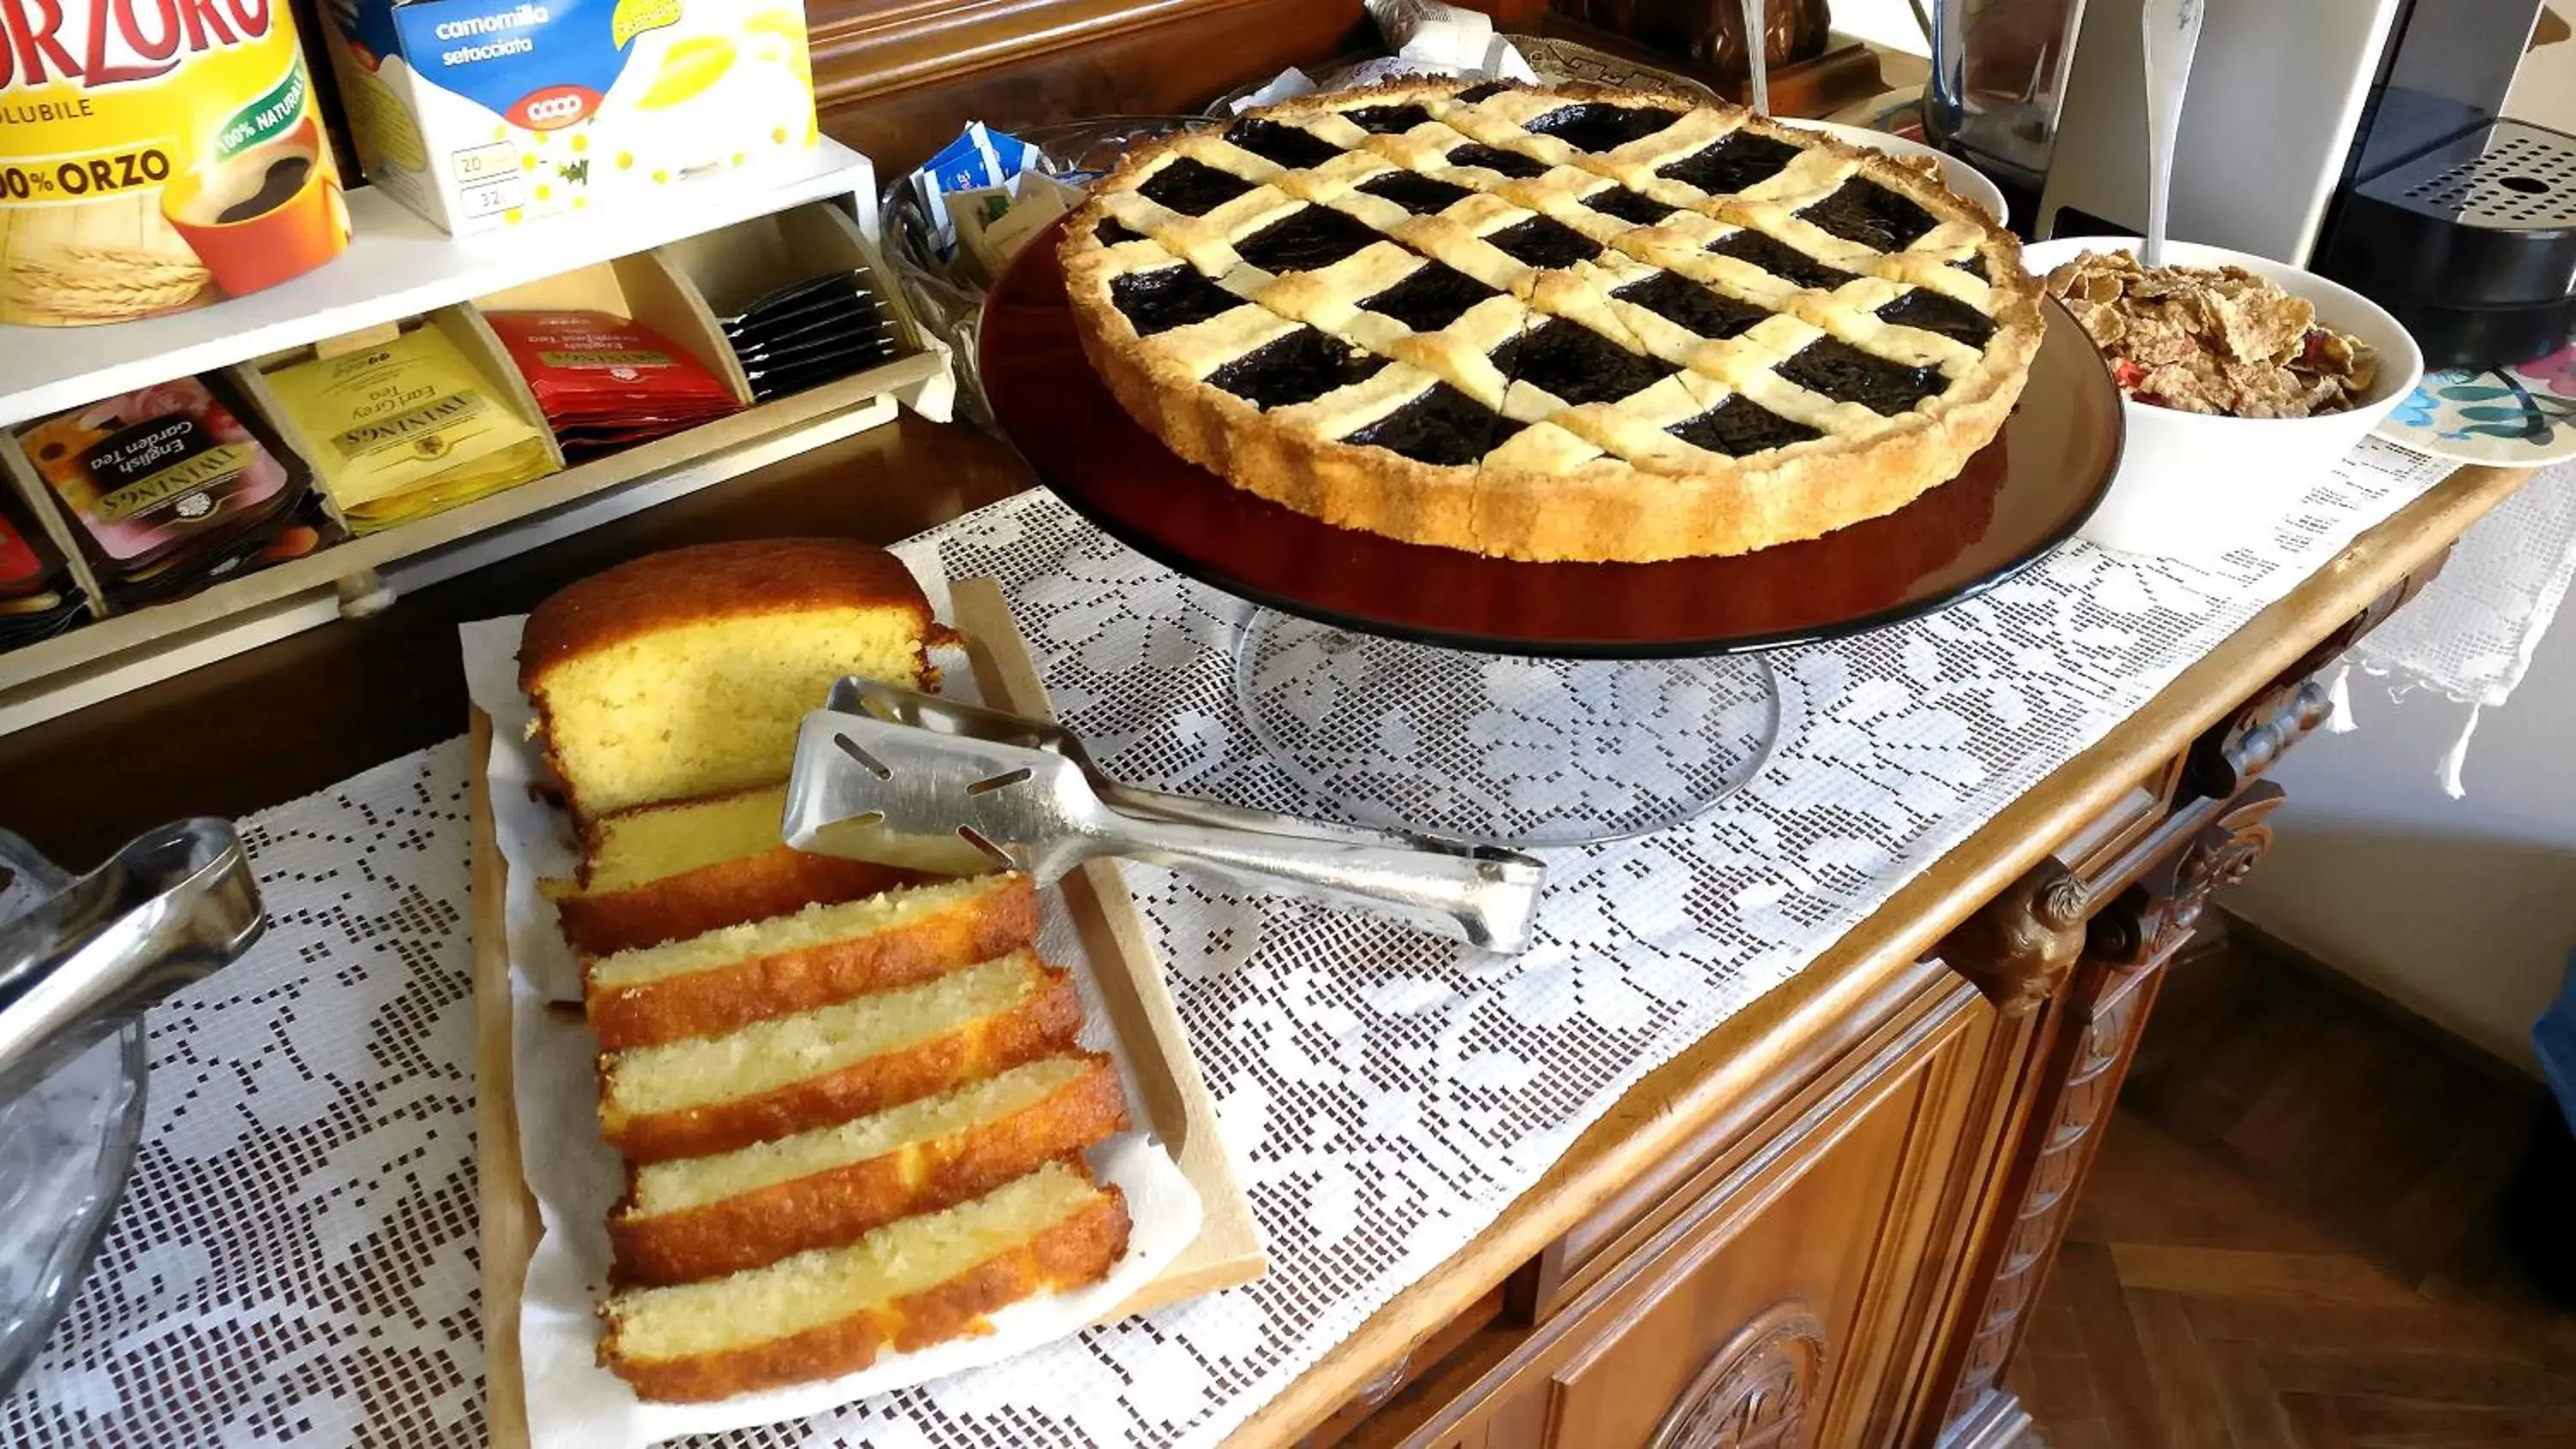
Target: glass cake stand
1519 703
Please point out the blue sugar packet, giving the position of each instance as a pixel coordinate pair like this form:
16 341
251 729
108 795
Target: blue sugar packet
978 158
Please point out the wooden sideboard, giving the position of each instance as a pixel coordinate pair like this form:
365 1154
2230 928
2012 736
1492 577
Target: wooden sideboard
1821 1226
1825 1225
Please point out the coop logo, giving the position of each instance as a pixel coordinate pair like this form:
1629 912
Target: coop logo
551 109
110 42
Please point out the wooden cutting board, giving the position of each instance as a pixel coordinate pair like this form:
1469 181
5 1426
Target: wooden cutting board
1173 1099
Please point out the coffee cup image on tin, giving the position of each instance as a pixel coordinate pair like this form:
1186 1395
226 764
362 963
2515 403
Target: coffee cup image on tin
263 214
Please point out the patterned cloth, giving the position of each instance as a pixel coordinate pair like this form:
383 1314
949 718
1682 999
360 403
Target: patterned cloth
295 1262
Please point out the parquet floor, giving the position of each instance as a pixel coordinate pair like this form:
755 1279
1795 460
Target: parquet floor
2289 1240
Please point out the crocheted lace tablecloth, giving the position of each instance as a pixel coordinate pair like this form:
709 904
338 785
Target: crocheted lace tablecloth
295 1262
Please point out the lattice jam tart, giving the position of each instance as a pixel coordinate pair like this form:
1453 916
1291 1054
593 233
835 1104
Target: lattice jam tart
1556 322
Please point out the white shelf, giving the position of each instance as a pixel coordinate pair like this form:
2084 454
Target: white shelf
398 265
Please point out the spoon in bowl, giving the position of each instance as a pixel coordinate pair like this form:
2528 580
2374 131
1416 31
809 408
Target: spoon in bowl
2172 36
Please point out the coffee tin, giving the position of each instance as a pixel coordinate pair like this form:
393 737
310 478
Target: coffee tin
156 155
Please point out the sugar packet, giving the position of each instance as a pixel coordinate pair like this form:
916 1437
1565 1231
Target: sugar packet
978 159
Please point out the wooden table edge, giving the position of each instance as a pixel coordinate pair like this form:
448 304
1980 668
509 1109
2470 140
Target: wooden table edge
1676 1100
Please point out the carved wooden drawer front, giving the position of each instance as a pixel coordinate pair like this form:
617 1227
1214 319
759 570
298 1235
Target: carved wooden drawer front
1732 1339
1779 1308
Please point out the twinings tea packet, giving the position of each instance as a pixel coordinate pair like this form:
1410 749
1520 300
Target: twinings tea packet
604 381
163 474
155 157
808 333
406 428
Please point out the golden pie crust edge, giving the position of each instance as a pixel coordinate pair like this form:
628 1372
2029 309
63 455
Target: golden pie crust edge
1604 511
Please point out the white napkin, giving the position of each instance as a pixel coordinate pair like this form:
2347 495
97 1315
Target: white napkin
2471 634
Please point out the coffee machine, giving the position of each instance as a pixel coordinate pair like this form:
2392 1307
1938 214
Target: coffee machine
2416 150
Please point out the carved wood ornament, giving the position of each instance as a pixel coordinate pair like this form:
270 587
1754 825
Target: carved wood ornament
2134 934
2024 942
1756 1391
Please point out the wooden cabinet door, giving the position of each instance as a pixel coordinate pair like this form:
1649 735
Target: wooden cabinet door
1783 1308
1736 1339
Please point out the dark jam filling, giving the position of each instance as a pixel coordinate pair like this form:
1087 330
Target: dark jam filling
1158 301
1417 194
1780 259
1685 303
1432 298
1290 146
1310 237
1192 188
1975 267
1847 374
1386 120
1485 92
1933 312
1544 242
1578 364
1739 426
1627 205
1509 163
1300 367
1870 214
1443 427
1739 161
1597 126
1112 231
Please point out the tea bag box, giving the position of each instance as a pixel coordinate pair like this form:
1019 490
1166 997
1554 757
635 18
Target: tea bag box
482 114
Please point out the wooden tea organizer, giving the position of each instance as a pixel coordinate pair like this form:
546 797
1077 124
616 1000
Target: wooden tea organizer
742 240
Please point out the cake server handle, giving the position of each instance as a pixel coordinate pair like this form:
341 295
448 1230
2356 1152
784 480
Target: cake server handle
1480 895
170 908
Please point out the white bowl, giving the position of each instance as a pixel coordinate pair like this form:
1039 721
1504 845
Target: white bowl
2194 487
1956 174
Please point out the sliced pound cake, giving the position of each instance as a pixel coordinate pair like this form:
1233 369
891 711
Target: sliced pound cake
821 954
685 673
904 1286
822 1067
701 1217
666 872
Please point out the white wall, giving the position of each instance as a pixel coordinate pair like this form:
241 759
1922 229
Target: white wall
2463 910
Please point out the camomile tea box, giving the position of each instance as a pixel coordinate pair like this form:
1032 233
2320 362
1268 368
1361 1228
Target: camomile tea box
481 114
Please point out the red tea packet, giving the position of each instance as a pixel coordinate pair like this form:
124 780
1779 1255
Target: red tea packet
594 373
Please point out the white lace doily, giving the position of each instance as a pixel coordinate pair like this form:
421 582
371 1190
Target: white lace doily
2469 636
295 1263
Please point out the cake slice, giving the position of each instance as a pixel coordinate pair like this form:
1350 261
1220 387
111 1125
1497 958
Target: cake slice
822 1067
701 1217
682 868
685 673
831 1311
825 953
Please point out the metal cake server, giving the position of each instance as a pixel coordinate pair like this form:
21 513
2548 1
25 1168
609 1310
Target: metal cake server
894 703
872 789
170 908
